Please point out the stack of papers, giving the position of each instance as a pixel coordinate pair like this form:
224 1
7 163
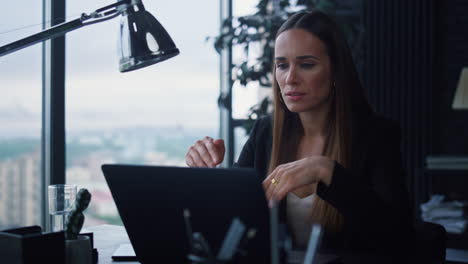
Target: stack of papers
450 214
447 162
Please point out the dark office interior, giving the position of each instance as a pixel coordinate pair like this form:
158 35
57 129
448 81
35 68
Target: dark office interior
410 60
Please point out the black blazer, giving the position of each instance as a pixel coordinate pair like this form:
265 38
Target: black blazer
371 195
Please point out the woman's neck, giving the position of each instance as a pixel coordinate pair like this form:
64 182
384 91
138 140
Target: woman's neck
314 123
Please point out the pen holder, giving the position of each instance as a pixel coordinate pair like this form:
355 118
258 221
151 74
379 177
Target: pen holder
79 250
28 245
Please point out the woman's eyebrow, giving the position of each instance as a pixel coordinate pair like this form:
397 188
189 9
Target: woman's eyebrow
307 57
303 57
280 58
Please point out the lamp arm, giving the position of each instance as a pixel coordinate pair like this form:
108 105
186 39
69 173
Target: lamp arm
41 36
100 15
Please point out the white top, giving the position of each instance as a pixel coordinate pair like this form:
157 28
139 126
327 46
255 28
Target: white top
299 218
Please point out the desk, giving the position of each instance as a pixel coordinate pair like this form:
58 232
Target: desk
107 239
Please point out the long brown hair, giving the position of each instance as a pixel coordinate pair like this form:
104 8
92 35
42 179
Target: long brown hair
347 101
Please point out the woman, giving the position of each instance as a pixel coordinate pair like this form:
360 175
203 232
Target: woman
326 156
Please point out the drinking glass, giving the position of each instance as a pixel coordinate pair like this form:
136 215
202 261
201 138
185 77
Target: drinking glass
61 200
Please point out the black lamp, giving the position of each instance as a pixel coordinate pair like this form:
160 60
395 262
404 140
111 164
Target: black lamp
143 40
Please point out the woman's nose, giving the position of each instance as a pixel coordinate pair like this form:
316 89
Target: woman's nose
291 76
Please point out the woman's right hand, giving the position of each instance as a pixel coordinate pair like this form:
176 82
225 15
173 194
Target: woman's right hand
207 152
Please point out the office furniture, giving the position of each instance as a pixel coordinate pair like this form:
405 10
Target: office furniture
107 239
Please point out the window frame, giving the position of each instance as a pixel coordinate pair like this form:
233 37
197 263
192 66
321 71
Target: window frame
227 123
53 104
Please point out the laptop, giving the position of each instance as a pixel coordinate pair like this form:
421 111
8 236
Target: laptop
153 202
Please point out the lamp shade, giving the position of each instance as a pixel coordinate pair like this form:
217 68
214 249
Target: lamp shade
461 95
143 40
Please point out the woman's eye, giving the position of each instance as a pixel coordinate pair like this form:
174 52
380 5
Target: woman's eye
307 65
281 66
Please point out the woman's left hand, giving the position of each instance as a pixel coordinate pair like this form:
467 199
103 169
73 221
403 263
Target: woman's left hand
292 176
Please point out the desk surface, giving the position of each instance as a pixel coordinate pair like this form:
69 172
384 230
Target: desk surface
107 239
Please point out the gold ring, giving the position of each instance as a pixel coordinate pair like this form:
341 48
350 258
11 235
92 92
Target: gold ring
274 182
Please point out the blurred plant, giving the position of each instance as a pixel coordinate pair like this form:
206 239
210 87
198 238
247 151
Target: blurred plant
260 29
75 218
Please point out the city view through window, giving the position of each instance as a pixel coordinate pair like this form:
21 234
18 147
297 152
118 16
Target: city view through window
20 117
149 116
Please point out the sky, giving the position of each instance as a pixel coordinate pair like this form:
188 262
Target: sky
182 91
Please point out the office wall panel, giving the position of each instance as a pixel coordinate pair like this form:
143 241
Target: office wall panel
398 73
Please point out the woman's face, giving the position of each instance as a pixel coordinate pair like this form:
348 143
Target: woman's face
302 70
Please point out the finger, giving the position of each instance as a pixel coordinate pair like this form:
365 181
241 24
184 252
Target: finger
271 195
279 193
207 139
203 153
197 160
219 144
189 160
282 176
280 190
267 185
216 154
268 192
276 176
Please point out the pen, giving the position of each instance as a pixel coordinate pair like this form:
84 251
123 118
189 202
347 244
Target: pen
188 228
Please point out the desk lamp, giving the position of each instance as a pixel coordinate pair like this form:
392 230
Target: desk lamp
460 100
143 40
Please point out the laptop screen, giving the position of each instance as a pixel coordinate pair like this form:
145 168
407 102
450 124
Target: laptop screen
151 201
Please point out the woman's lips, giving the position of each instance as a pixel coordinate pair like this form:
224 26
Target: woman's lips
295 96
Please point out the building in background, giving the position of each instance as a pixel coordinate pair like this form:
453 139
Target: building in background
21 190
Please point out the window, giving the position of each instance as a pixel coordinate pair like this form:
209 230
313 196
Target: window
20 117
244 97
149 116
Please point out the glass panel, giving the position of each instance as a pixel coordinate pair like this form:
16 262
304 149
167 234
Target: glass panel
148 116
20 117
244 97
240 137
